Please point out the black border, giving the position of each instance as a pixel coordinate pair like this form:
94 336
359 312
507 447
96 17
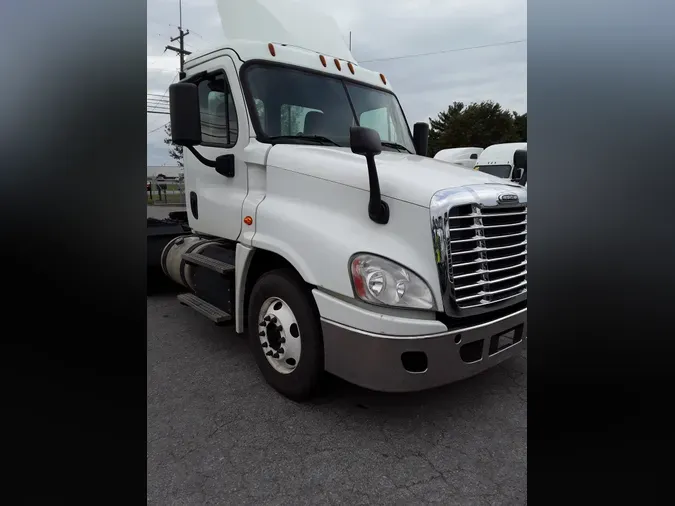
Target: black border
74 249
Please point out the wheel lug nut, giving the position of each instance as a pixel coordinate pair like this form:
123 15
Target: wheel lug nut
281 351
273 319
262 334
269 353
276 355
282 340
264 345
262 324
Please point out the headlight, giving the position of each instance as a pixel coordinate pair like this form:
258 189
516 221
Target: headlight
384 282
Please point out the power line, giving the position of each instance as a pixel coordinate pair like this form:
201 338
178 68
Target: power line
167 88
160 126
455 50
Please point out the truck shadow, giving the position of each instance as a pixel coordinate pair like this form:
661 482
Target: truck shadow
159 284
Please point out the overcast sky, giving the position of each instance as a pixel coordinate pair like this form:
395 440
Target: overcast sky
381 29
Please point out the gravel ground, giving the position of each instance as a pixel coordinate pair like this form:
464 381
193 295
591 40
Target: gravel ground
217 434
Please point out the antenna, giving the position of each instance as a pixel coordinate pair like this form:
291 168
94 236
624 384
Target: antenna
181 49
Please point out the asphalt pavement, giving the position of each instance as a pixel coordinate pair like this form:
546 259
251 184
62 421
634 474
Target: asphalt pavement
217 434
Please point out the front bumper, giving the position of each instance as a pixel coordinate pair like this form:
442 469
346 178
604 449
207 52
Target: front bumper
385 362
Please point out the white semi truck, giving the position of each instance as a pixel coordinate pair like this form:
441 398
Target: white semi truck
508 161
318 225
465 157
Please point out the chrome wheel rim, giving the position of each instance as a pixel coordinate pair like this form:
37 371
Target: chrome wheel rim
279 335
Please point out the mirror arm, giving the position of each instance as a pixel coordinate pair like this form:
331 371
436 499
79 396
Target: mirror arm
378 210
205 161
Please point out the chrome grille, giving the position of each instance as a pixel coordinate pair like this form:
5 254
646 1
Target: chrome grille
488 253
479 237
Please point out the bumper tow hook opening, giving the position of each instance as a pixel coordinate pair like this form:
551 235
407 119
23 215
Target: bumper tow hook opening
415 361
472 352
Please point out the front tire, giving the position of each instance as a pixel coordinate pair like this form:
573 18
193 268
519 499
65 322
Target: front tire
285 334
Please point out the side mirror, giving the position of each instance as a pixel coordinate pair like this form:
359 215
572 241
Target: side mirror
421 138
365 141
474 156
520 159
186 127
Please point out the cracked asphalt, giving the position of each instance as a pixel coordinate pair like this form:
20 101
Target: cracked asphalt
217 434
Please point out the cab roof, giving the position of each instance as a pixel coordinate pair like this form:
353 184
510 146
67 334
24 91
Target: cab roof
288 32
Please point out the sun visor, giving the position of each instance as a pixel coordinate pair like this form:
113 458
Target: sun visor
290 22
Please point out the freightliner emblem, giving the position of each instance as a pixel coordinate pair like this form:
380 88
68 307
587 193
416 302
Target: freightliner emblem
508 198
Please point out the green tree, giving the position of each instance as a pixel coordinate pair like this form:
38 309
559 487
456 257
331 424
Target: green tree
520 122
175 152
476 125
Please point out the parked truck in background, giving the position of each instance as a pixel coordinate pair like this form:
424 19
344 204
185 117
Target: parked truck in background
319 225
464 157
507 161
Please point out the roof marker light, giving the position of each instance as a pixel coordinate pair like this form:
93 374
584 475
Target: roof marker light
323 60
384 79
337 64
270 46
351 67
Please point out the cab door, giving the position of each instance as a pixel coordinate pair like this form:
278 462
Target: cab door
214 200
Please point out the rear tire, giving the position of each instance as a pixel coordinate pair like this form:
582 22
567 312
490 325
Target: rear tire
288 348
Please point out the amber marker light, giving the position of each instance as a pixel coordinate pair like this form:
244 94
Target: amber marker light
248 220
323 60
273 51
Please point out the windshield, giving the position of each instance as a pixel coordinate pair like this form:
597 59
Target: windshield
503 171
303 107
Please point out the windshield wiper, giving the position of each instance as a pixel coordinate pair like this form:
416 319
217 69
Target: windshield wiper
396 146
316 138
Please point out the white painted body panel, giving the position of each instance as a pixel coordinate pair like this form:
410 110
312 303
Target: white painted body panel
369 320
405 177
318 224
459 156
220 198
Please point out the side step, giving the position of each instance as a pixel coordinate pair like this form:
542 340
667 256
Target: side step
216 315
208 262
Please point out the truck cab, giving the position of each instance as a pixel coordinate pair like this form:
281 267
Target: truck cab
319 226
464 157
500 160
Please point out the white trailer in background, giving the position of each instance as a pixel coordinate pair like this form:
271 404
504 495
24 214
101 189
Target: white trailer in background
465 157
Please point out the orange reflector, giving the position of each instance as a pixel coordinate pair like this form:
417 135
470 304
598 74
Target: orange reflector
384 79
351 67
248 220
337 64
323 60
271 48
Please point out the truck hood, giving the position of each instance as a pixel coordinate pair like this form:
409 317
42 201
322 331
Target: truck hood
403 176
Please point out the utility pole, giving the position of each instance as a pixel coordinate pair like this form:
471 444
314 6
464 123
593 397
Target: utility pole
181 47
